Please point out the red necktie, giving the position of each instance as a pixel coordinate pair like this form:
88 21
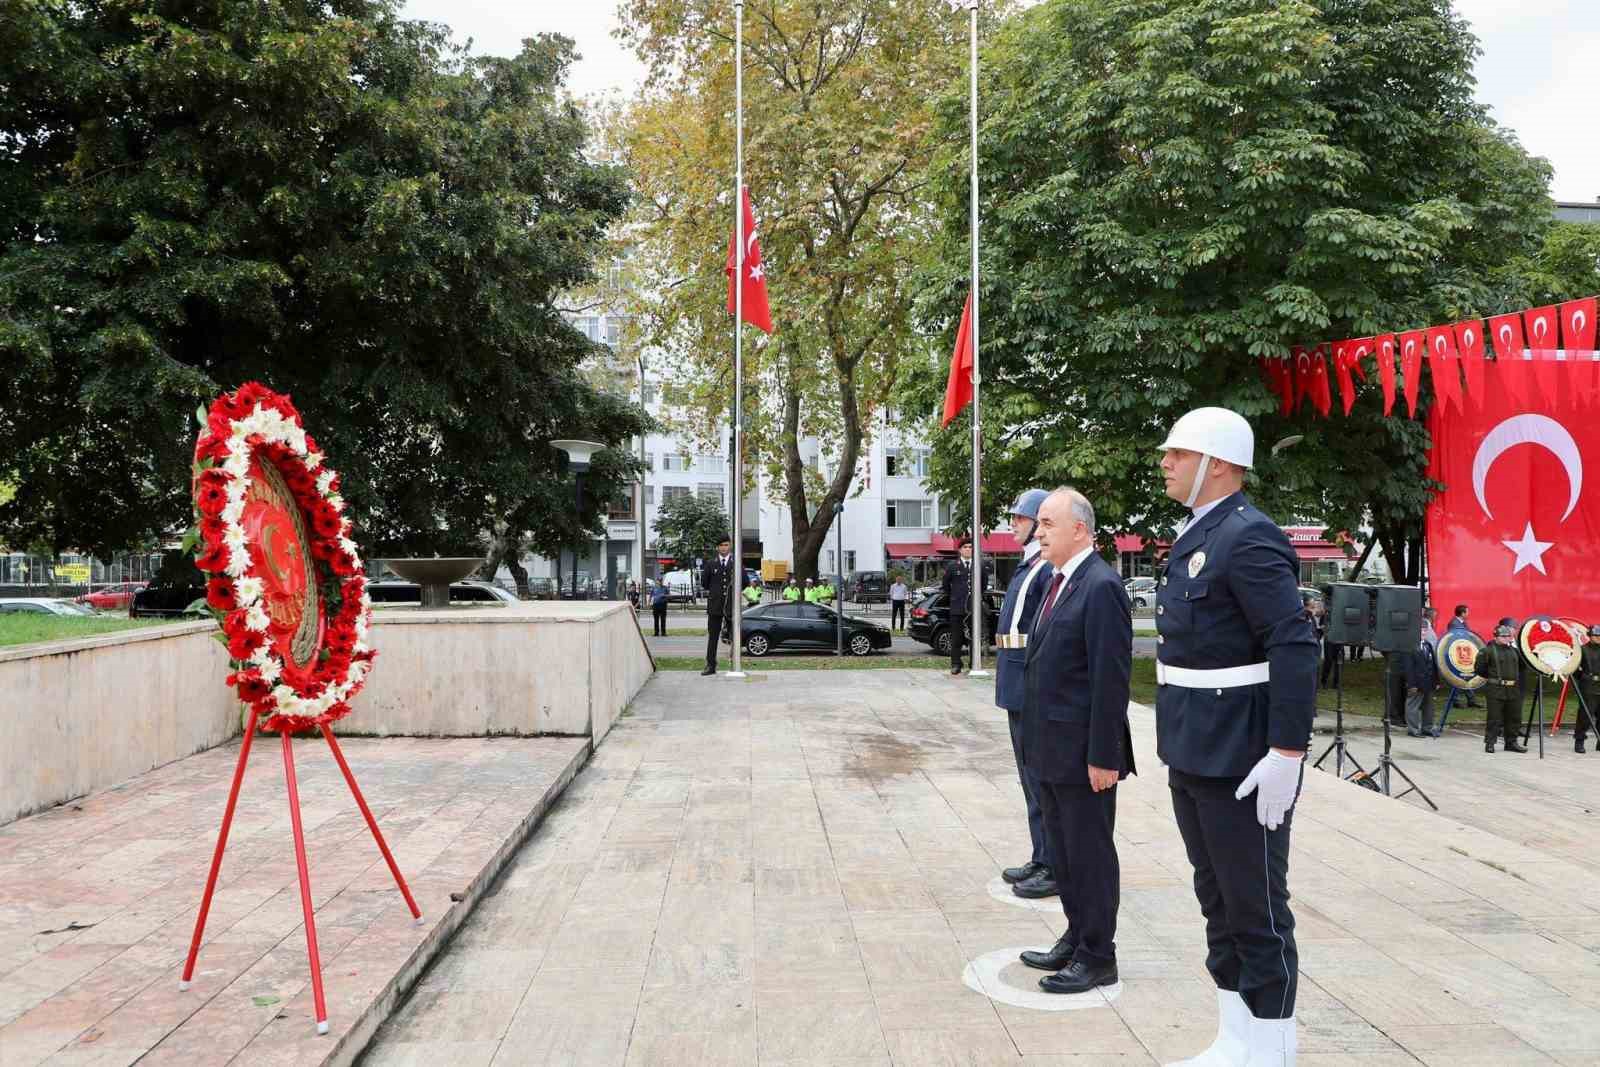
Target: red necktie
1049 602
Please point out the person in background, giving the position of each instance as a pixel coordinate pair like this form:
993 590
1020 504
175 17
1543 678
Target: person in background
957 586
1420 676
791 590
752 595
633 595
658 608
809 593
1500 663
898 595
1587 680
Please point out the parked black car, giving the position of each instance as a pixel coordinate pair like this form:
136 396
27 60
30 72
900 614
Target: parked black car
784 625
165 601
867 587
393 591
930 620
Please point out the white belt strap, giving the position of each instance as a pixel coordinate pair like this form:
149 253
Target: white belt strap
1022 598
1220 678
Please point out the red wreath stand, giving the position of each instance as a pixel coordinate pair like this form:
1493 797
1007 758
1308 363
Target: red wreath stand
288 588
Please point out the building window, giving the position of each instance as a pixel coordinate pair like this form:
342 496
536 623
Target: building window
946 508
674 461
908 514
709 464
649 496
830 561
891 461
906 462
673 492
709 491
589 326
849 560
649 392
614 327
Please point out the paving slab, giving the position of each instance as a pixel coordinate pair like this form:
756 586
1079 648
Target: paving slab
98 901
797 868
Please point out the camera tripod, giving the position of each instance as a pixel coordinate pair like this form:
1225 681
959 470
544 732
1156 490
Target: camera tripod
1337 746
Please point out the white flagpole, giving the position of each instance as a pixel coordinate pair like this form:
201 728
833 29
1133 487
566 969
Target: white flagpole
977 430
735 510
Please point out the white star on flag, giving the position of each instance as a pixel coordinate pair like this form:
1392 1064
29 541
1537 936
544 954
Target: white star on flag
1529 551
756 273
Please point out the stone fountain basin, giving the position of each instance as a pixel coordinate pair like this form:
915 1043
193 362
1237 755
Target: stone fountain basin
434 575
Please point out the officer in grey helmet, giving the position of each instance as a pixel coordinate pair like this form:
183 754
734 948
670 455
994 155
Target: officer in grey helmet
1236 676
1036 878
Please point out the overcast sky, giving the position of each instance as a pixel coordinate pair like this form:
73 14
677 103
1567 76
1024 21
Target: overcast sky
1539 72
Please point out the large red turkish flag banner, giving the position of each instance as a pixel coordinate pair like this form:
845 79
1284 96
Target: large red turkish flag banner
1516 529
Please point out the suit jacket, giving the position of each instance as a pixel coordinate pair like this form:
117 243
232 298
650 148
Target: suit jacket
1009 662
717 578
1420 668
957 587
1230 597
1079 661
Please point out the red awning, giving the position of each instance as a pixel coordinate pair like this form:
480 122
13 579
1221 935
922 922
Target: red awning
1316 551
1135 543
908 549
994 544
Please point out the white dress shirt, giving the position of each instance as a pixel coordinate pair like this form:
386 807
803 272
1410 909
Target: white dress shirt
1030 558
1067 570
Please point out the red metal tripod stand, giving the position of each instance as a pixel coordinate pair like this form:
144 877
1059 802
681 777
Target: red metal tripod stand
299 856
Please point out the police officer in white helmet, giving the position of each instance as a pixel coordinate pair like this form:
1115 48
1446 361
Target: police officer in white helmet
1236 677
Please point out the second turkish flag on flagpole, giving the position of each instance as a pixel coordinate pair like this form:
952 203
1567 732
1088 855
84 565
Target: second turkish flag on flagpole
756 311
958 388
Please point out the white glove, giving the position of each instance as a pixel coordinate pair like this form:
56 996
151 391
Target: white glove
1275 779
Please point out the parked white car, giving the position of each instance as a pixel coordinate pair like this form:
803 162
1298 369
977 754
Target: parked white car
42 605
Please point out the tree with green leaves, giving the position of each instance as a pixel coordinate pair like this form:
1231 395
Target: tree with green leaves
323 197
1174 188
840 139
689 526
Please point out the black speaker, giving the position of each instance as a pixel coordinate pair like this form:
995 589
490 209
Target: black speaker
1349 613
1397 622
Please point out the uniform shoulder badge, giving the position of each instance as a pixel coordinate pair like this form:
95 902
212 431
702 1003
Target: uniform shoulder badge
1196 561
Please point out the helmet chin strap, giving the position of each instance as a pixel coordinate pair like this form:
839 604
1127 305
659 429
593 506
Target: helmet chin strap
1199 480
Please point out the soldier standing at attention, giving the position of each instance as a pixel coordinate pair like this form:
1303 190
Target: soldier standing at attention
957 585
1236 675
1034 879
1501 663
1588 682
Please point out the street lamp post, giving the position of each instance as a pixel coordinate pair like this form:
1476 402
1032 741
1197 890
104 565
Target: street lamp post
579 454
838 573
644 472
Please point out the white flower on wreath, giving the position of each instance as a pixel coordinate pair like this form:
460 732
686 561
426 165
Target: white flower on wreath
256 618
247 590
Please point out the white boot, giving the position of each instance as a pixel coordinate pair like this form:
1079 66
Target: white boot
1271 1042
1232 1046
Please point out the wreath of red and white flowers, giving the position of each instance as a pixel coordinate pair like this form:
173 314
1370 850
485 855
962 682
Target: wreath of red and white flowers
253 423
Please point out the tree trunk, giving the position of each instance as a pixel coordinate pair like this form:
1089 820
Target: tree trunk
519 574
809 530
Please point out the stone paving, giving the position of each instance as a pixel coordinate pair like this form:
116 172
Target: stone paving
98 898
798 868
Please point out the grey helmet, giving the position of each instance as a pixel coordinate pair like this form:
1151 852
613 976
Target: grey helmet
1027 505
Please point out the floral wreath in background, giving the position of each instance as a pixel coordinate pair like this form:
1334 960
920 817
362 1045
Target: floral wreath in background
286 581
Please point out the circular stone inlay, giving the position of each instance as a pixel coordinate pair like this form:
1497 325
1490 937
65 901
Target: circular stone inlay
1000 889
1001 976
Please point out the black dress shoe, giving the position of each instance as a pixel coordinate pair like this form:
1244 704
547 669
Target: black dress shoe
1013 875
1079 977
708 670
1041 885
1577 746
1052 959
1488 746
1513 746
955 670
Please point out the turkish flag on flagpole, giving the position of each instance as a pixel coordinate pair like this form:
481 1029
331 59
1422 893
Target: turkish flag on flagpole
756 312
958 389
1514 532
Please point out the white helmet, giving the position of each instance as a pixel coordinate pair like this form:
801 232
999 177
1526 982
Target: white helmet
1215 432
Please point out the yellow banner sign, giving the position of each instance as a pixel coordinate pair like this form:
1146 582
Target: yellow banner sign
72 573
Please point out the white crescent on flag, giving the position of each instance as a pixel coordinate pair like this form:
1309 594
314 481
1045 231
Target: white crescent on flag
1529 429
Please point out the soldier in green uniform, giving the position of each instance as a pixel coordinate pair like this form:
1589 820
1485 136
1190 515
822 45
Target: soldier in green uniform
1587 679
1501 664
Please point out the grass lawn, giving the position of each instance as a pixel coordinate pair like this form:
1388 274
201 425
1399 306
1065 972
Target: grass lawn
808 663
19 629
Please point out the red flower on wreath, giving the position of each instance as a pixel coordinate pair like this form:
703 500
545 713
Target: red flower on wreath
219 594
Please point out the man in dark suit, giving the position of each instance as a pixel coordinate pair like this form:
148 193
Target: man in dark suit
958 595
722 579
1076 739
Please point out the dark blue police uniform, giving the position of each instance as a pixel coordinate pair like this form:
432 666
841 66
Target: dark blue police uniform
1237 673
1009 682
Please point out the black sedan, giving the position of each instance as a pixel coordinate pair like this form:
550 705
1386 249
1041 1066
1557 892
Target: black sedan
769 626
930 621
